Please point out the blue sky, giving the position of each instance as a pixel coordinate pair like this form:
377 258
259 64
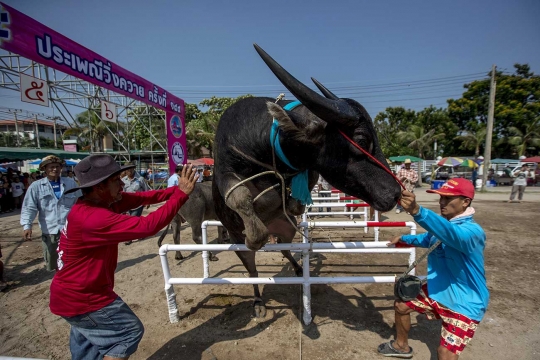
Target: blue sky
381 53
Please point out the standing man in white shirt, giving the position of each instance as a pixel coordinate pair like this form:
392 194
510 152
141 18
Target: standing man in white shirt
173 179
46 199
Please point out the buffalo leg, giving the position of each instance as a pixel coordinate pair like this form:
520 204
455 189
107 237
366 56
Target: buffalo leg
176 224
241 202
285 232
248 259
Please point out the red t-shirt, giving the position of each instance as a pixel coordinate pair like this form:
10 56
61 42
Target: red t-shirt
88 247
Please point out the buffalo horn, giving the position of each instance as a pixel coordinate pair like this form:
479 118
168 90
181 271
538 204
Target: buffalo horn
330 110
327 93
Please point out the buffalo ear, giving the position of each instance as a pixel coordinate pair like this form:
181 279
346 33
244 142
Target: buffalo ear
296 127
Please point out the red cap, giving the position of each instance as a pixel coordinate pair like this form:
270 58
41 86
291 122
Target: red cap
456 187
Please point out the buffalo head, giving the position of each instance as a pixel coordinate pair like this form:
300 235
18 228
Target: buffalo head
337 160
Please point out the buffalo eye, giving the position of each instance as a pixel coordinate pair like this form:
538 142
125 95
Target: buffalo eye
364 141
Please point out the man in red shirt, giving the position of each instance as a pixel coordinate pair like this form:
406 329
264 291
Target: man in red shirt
102 325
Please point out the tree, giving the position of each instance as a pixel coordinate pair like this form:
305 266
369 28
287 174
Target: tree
417 138
524 141
144 121
387 124
473 139
201 126
517 106
91 130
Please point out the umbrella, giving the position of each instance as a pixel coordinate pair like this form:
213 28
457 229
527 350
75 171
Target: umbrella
469 163
450 161
202 161
535 159
402 158
68 162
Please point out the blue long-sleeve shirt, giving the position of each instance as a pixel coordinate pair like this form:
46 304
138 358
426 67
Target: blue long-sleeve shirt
41 201
456 276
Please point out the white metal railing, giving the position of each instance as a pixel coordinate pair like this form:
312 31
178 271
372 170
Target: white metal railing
306 248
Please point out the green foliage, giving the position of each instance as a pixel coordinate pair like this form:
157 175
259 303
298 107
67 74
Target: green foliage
517 108
142 122
91 130
201 127
388 123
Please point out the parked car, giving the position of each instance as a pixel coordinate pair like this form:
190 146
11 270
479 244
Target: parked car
445 173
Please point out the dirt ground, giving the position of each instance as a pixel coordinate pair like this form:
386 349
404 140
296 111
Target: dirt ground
349 320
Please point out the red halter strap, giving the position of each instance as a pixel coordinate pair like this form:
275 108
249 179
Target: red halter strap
372 158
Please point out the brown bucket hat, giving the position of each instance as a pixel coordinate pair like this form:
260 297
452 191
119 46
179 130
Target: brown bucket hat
94 169
50 159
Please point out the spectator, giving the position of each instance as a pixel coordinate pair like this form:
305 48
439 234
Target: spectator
33 177
173 179
72 176
323 185
207 174
408 177
3 283
133 184
17 191
456 289
200 175
520 182
49 200
7 198
82 290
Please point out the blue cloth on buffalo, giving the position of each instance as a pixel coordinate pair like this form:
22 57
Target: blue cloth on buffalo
299 185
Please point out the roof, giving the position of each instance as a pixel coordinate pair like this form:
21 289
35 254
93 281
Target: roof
19 154
32 122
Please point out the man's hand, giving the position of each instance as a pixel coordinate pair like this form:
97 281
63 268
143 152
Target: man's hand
27 235
394 240
408 202
187 179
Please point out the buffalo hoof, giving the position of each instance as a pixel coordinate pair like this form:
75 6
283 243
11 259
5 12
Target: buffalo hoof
213 257
299 272
178 256
259 308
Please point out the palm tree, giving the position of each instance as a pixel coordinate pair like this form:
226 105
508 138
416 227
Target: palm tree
417 138
91 129
525 140
473 140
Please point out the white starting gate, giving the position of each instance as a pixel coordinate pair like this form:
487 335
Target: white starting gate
306 248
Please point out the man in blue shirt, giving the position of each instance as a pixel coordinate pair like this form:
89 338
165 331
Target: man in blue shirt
46 199
456 289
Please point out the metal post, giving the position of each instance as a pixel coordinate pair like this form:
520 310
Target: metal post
37 132
17 140
489 130
54 129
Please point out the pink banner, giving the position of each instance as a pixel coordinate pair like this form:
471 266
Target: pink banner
176 140
27 37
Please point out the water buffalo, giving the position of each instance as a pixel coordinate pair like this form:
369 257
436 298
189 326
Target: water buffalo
198 208
310 141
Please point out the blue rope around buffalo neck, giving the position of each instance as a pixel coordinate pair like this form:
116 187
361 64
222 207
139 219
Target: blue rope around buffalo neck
299 184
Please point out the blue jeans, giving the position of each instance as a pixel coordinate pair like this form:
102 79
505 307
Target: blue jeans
113 331
324 195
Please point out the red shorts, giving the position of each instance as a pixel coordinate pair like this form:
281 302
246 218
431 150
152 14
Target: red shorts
457 329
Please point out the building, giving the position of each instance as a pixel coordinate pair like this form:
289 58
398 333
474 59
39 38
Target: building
27 128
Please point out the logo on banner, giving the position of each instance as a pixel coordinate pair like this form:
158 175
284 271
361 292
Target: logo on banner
34 90
176 126
5 33
108 111
177 153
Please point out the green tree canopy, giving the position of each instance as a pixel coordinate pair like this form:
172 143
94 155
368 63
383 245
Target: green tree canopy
517 106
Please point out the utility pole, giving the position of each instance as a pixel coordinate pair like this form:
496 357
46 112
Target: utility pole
37 132
54 129
489 130
17 139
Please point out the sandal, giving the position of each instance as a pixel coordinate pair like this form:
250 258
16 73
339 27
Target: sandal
388 350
